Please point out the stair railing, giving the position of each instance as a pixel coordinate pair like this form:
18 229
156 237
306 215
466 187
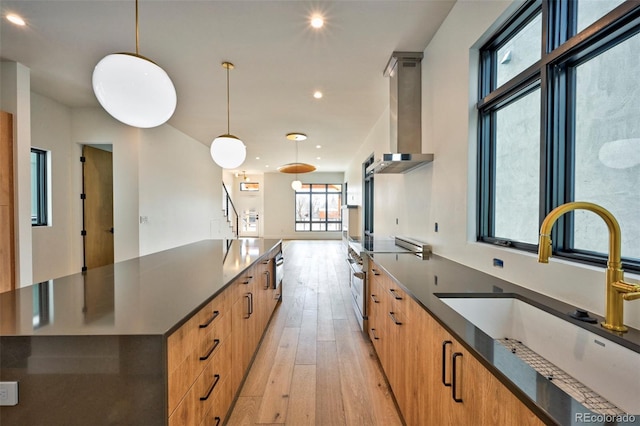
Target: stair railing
228 208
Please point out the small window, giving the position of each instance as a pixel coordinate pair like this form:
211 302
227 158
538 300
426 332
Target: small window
318 207
520 51
590 11
250 186
39 199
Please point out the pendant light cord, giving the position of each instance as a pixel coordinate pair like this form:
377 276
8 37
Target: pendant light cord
137 35
297 165
228 128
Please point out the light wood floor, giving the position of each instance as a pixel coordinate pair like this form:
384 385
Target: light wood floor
315 367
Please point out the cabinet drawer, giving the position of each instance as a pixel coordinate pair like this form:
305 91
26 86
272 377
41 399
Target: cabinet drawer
240 285
194 347
181 343
217 411
207 388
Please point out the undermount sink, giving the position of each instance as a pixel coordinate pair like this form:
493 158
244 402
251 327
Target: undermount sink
609 369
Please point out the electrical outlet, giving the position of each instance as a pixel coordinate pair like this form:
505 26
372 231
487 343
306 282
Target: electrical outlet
144 219
8 393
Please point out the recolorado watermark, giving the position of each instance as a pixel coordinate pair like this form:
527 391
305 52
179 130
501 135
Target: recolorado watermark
604 418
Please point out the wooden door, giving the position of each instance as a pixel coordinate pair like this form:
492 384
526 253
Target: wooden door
97 174
7 244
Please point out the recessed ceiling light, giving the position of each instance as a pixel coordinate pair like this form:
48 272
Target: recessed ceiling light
16 20
296 136
318 146
267 165
317 94
318 158
257 158
317 21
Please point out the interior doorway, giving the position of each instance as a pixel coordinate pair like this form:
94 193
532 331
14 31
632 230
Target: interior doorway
249 225
97 202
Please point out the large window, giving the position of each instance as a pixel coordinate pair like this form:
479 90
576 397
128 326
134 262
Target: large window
558 122
318 207
39 197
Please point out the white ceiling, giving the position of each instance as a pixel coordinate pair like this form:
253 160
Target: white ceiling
279 62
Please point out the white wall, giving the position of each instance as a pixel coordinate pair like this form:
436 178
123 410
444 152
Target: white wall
279 205
53 245
444 191
180 190
15 89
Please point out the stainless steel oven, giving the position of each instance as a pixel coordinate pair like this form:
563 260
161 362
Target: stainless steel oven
278 265
357 283
358 258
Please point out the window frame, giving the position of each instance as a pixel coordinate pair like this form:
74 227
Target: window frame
311 193
42 198
554 73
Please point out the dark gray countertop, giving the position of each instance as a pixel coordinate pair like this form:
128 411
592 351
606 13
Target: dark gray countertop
149 295
424 280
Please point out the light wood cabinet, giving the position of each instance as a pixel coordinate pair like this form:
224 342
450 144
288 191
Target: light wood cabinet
244 324
209 355
434 377
196 352
377 308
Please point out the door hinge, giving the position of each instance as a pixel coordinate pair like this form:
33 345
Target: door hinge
82 159
83 232
83 196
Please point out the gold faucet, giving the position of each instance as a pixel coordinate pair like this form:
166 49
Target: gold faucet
617 290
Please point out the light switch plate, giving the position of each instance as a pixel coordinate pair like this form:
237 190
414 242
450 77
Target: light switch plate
8 393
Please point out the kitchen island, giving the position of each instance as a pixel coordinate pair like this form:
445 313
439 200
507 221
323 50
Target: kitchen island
99 347
432 339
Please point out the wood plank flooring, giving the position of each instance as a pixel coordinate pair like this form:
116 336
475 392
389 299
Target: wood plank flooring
315 367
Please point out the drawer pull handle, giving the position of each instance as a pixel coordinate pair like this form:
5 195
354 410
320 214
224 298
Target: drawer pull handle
374 298
213 385
216 342
373 333
394 294
217 419
206 324
375 271
268 274
394 319
249 278
454 379
249 297
444 361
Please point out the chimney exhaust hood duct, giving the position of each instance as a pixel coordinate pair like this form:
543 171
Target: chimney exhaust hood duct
405 74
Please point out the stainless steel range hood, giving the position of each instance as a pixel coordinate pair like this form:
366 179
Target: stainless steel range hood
405 75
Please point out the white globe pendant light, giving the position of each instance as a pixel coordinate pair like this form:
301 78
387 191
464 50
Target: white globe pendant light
134 89
227 150
296 185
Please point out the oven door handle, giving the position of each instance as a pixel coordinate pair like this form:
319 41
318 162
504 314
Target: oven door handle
359 275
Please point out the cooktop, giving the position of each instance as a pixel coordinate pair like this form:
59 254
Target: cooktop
388 245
